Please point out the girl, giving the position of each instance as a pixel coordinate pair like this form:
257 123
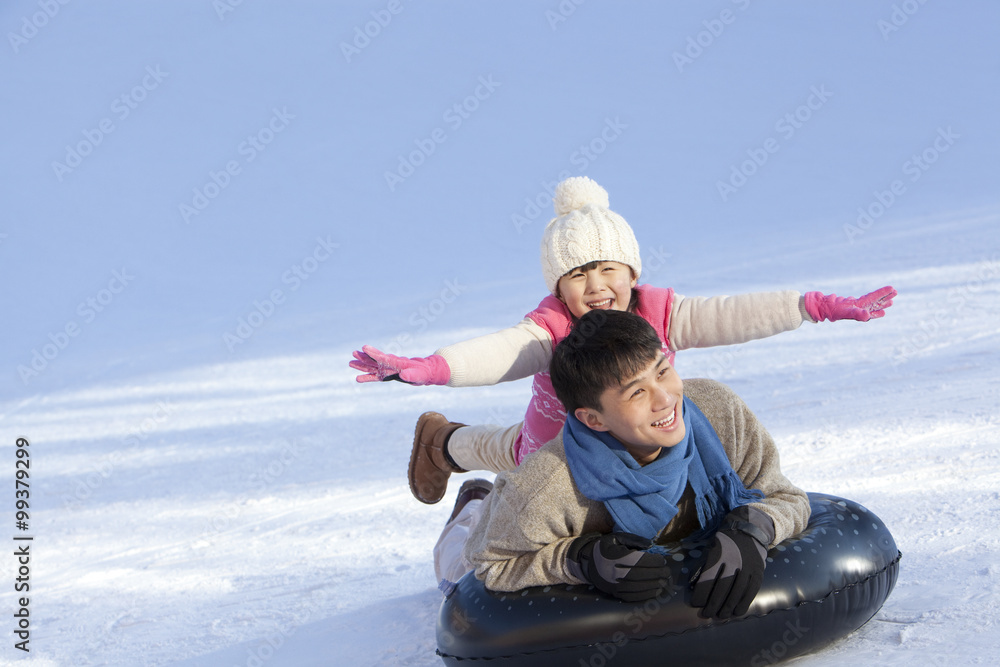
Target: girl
590 261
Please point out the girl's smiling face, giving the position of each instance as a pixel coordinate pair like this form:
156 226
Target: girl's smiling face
596 286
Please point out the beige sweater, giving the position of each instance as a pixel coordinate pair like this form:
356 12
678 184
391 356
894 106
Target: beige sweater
535 511
526 348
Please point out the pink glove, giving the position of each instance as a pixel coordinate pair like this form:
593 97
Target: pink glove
381 367
832 307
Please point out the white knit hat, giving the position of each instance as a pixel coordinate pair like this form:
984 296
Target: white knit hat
585 230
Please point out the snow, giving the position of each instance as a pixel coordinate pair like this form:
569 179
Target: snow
210 486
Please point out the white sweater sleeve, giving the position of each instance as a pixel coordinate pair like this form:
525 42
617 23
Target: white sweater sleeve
727 320
510 354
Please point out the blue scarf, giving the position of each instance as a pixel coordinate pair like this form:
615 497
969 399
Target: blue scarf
643 499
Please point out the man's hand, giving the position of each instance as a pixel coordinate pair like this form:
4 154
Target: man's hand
734 569
619 565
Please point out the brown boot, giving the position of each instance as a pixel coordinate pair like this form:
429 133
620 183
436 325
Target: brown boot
471 489
429 468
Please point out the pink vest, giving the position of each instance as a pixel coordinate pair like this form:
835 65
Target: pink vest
546 415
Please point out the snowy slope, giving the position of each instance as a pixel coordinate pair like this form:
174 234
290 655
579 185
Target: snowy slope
209 484
264 504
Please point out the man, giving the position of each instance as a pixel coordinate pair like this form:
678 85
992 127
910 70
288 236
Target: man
644 460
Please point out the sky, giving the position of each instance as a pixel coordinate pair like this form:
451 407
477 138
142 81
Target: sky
204 150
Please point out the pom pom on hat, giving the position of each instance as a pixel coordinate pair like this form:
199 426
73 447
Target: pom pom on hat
585 230
576 192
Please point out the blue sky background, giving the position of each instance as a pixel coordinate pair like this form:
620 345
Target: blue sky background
892 87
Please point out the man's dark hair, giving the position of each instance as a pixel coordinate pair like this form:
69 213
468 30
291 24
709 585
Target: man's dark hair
605 349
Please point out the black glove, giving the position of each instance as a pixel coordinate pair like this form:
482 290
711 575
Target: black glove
619 565
734 570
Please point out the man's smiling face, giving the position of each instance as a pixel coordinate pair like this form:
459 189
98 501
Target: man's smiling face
644 413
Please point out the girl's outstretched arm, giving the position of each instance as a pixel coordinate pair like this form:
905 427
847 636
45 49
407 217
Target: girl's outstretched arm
730 320
377 366
511 354
832 307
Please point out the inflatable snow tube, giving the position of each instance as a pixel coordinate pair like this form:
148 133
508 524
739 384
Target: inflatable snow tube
818 587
